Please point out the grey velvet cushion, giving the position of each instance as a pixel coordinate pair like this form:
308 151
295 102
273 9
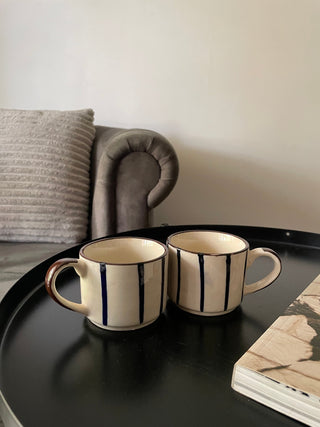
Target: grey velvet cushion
44 175
133 170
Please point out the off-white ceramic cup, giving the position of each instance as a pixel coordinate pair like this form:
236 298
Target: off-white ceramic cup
123 282
207 271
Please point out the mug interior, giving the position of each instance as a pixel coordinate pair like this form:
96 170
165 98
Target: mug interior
124 250
207 242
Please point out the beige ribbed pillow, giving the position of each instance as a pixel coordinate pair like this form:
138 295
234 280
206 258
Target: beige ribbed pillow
44 175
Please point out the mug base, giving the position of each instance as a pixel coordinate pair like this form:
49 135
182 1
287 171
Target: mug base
122 328
206 313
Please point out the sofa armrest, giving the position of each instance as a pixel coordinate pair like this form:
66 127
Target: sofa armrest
132 172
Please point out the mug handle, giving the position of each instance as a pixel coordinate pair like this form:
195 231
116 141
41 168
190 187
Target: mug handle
269 278
50 282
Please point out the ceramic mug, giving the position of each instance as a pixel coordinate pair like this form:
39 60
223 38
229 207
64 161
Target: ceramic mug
123 282
207 271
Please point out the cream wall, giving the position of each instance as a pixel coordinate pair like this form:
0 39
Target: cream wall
233 84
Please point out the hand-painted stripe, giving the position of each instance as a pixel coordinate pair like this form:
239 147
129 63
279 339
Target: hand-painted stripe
163 263
226 298
141 291
244 274
201 266
104 293
179 275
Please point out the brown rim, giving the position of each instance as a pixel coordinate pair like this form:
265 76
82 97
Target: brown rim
211 232
52 271
123 238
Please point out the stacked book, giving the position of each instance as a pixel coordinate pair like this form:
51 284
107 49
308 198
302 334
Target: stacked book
282 369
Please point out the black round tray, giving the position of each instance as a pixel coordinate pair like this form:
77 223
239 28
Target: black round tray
56 369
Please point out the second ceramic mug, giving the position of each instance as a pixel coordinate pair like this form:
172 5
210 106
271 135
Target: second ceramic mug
207 271
123 282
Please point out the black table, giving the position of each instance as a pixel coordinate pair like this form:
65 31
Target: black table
58 370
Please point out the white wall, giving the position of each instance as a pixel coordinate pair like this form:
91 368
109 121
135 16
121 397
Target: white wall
233 84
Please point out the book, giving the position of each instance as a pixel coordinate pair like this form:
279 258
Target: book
282 368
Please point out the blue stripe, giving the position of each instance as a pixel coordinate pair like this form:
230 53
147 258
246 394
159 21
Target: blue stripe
244 274
226 298
141 291
179 275
201 266
163 261
104 293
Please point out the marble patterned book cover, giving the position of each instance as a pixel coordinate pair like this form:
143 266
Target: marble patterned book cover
282 368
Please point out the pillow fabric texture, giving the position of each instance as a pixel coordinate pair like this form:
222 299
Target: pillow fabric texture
44 175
